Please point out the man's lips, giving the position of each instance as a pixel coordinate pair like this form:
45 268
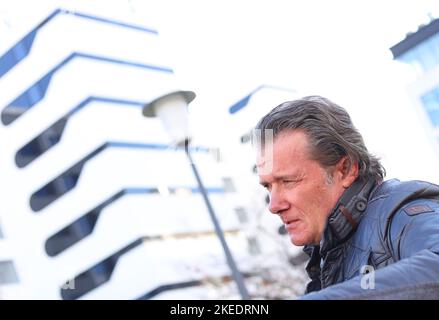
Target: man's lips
291 224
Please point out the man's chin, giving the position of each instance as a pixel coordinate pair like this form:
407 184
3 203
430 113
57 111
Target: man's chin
297 241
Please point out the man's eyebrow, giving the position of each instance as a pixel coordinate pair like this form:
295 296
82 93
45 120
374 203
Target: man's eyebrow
293 176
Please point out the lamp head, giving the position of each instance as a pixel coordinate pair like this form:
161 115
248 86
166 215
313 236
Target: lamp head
172 110
150 109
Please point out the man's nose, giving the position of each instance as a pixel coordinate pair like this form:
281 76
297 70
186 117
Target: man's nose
277 202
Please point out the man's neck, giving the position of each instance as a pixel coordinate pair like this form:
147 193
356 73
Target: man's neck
346 214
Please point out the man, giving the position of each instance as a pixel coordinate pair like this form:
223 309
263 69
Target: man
366 238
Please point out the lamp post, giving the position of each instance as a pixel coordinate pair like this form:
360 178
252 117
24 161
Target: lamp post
172 111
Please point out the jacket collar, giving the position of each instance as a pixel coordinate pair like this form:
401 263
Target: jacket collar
346 215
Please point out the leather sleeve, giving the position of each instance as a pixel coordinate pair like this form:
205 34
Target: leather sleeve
416 277
412 232
414 237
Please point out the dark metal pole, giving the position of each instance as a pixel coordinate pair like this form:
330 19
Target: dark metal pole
237 276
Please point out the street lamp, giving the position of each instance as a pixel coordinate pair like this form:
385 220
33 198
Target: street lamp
172 110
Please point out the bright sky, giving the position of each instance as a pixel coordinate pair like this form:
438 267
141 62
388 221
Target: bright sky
224 49
338 48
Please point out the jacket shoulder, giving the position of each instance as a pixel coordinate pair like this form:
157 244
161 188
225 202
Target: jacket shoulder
415 227
391 208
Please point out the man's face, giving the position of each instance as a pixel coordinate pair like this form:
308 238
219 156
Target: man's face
301 191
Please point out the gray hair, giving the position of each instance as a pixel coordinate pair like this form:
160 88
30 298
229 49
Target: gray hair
330 131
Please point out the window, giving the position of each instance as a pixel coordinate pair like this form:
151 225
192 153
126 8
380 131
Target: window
424 56
427 55
246 137
94 276
242 214
7 272
430 101
229 186
41 143
253 246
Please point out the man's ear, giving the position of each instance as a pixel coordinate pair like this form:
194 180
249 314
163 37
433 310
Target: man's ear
347 171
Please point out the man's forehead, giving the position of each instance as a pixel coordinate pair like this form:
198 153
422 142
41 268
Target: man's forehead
285 154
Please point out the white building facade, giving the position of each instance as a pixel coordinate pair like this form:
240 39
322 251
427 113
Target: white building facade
97 204
420 50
